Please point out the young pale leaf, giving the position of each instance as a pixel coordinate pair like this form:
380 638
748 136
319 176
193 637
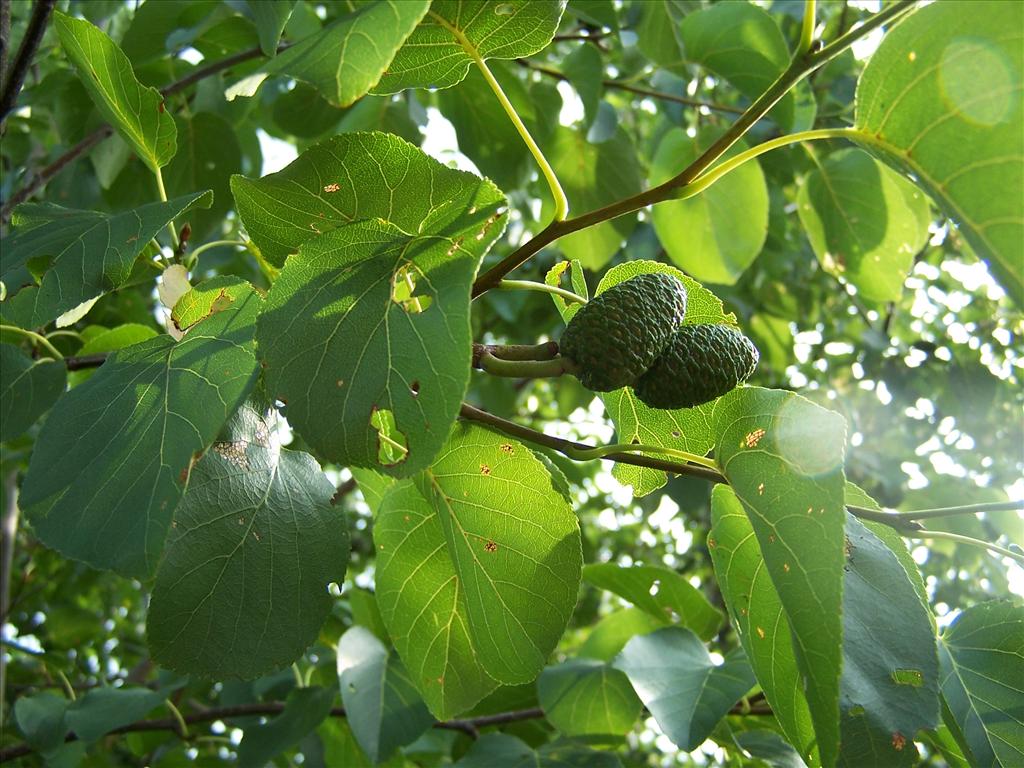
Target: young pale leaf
136 111
783 456
242 588
303 712
612 632
982 662
889 687
40 719
383 708
436 54
717 234
88 253
365 176
661 592
756 614
941 99
594 175
100 711
686 429
494 749
109 465
478 567
270 16
584 697
865 222
347 57
743 44
675 678
27 389
366 339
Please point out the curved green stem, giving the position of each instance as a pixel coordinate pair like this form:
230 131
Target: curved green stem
163 197
969 541
525 369
807 28
707 179
35 338
561 201
603 450
64 332
547 350
531 285
176 714
216 244
799 68
300 682
965 509
69 689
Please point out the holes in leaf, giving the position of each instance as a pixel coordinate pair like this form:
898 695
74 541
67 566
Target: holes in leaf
913 677
414 388
392 447
403 290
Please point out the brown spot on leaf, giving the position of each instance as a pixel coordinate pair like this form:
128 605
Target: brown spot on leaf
415 388
753 438
334 187
490 546
507 448
760 489
898 741
760 633
485 470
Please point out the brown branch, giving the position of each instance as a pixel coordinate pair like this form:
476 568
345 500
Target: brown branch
29 43
618 85
85 361
51 170
799 68
5 36
469 726
569 446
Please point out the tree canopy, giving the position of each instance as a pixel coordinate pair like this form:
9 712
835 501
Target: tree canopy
296 472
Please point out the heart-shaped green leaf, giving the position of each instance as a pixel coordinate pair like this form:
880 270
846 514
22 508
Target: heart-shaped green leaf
941 99
242 587
478 567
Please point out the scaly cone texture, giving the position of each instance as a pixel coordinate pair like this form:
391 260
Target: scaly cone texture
700 363
619 334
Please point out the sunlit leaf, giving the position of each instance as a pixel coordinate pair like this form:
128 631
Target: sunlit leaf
982 659
941 99
715 235
435 54
783 457
478 563
137 112
865 222
347 57
661 592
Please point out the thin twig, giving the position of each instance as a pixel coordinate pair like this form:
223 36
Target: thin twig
568 447
85 361
468 726
51 170
621 86
26 52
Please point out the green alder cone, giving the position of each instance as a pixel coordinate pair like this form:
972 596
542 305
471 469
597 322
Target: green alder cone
700 363
619 334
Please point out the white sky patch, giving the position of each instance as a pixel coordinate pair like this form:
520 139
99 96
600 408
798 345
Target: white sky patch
442 144
572 105
276 153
